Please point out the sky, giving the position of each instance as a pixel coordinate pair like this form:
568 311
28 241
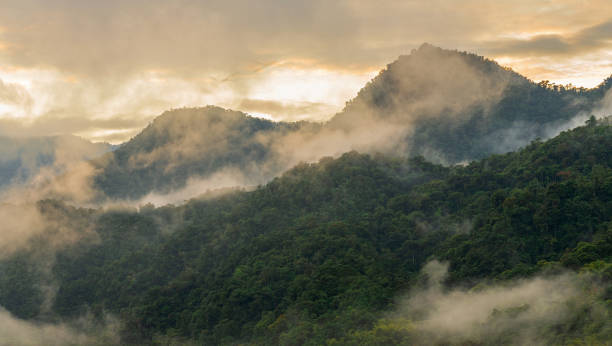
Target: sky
104 69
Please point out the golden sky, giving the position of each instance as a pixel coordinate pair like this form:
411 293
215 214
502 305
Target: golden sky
103 69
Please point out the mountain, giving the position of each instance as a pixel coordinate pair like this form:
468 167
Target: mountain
192 143
360 249
447 106
22 159
393 244
456 106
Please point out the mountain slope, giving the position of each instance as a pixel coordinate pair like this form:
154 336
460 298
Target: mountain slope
445 105
319 254
191 143
457 106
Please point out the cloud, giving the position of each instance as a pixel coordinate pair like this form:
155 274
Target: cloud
59 123
19 225
14 94
530 311
55 224
14 331
100 109
100 60
597 35
223 181
583 41
459 313
97 39
286 111
73 183
119 37
26 224
35 159
539 45
45 168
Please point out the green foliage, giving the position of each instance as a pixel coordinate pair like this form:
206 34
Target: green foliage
188 142
317 254
432 89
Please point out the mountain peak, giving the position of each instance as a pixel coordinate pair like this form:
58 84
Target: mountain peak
432 80
442 97
191 114
446 105
189 142
427 47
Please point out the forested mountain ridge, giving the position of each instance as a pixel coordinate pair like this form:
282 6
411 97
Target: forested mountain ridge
376 246
461 106
445 105
322 254
190 142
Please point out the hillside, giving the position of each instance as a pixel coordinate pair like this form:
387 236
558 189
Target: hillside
191 143
342 251
457 106
447 106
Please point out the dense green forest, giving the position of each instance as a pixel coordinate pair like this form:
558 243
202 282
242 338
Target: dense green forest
186 143
335 253
464 106
444 105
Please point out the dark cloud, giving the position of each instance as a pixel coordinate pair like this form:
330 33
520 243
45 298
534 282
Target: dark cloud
580 42
597 36
541 44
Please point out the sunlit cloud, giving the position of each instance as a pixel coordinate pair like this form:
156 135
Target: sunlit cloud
285 60
299 94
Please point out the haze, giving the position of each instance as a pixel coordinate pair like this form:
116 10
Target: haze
103 69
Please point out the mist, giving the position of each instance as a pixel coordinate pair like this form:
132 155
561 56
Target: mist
18 332
226 180
532 311
19 224
186 152
232 225
522 133
30 158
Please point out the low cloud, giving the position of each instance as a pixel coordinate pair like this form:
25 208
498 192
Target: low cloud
14 94
49 168
528 311
286 111
24 226
19 225
14 331
57 123
223 181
